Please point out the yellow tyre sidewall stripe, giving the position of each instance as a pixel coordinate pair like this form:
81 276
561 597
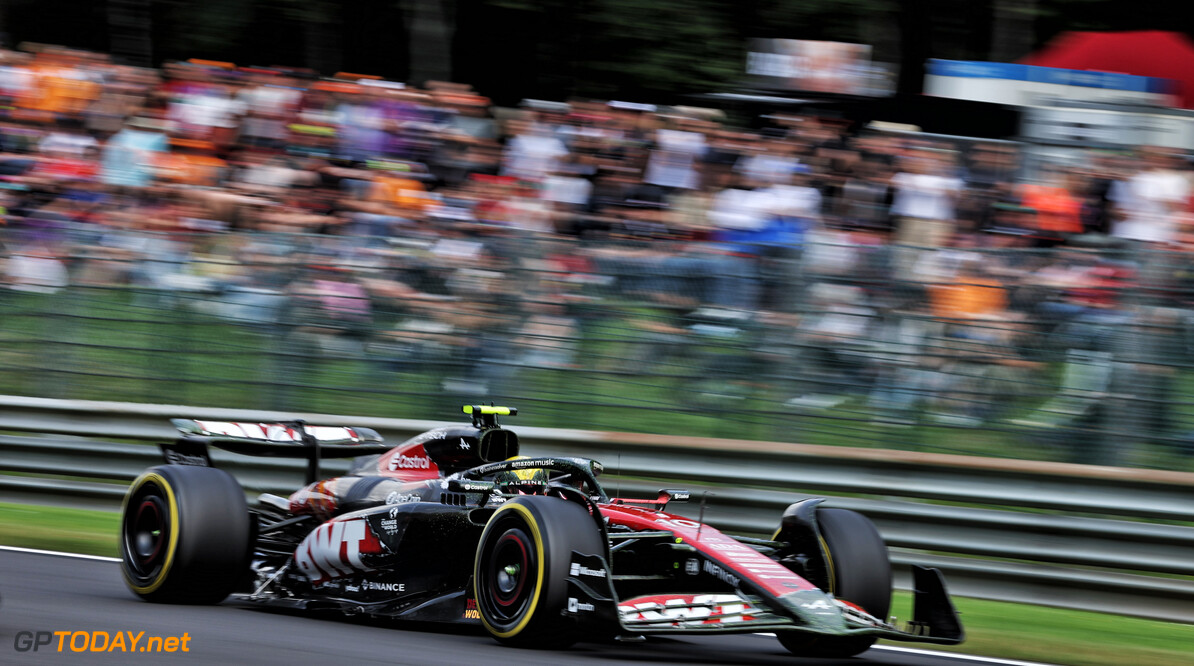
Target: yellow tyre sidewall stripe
829 565
171 546
530 612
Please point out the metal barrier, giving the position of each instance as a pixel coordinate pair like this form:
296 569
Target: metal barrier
1049 533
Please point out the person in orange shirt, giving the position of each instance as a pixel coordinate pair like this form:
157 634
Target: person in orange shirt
399 191
60 87
190 162
379 199
977 362
973 296
1058 211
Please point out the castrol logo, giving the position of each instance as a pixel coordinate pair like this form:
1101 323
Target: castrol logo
409 462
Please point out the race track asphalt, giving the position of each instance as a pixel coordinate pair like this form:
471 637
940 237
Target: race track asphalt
48 593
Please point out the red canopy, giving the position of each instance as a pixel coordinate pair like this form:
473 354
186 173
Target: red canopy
1156 53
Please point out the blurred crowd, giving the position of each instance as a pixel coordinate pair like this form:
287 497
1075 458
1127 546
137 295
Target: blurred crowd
424 221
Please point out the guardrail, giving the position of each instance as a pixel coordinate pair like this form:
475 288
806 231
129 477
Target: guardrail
1047 533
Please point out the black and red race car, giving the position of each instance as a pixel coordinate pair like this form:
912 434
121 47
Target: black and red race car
454 526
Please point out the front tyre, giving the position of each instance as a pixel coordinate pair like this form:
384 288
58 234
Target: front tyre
522 563
858 572
184 535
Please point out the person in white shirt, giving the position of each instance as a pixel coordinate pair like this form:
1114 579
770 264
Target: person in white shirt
793 197
740 209
772 164
923 206
1150 202
533 153
73 144
924 201
673 161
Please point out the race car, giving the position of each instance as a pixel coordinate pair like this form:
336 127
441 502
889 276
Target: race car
455 526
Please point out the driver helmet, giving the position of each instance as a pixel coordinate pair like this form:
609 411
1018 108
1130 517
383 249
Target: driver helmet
530 476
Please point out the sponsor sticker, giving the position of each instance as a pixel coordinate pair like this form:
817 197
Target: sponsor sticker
372 585
519 464
578 569
334 549
818 605
686 610
466 486
402 498
402 461
721 574
391 525
575 606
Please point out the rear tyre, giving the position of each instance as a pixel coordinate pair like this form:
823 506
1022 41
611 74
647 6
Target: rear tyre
521 568
184 535
858 572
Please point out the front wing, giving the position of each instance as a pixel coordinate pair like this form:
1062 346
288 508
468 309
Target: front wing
807 611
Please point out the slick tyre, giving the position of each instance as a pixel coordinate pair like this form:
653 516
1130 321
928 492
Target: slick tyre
184 535
858 572
521 568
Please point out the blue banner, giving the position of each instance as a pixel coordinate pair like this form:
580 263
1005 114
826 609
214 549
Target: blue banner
977 69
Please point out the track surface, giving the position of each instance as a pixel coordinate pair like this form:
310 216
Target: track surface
43 592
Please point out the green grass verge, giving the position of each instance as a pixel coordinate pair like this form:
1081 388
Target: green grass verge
57 528
1061 636
994 629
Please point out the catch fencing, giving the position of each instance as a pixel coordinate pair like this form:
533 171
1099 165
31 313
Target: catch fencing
1108 539
828 337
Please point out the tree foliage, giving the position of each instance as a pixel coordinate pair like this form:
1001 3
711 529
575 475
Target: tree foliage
654 50
665 48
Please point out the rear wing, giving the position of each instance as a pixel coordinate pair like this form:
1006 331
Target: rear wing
284 439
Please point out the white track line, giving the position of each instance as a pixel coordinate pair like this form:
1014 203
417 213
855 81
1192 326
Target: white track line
36 551
888 648
949 655
958 655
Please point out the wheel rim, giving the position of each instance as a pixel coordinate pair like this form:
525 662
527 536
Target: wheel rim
146 534
506 576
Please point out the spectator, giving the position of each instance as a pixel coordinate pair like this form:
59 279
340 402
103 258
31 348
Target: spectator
533 152
36 268
925 195
1150 200
669 215
1058 212
129 156
866 198
675 156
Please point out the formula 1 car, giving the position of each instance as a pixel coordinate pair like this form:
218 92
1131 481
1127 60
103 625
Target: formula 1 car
454 526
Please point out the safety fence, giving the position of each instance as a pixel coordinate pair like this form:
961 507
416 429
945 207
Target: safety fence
1108 539
822 337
